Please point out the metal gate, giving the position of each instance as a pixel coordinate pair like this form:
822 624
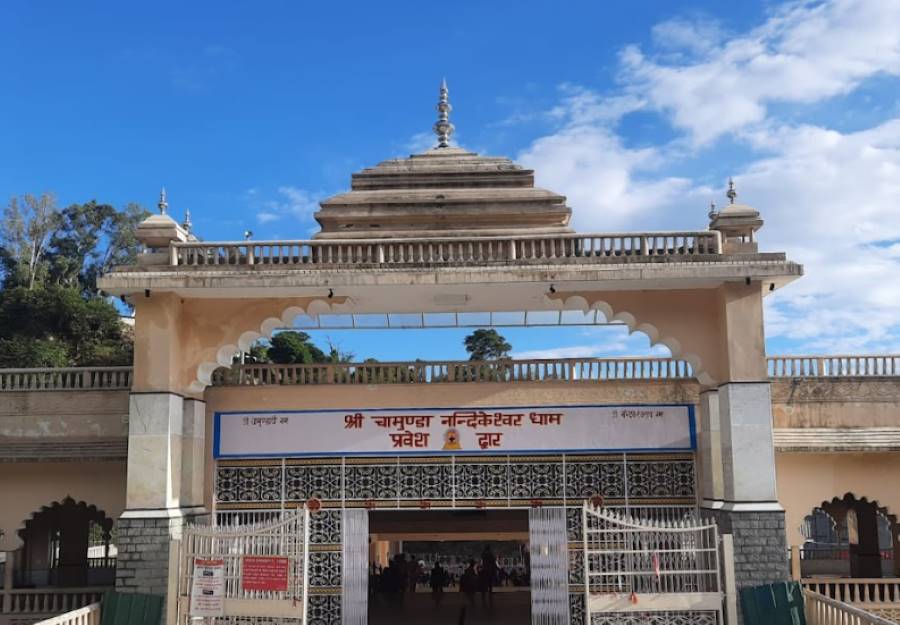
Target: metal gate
650 572
228 546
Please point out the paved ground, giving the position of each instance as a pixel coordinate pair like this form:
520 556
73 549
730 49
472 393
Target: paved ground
508 608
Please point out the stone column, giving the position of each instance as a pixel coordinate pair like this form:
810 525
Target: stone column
750 509
164 487
159 497
8 569
709 450
747 504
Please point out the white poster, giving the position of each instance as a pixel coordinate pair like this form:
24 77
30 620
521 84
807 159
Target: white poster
208 587
482 430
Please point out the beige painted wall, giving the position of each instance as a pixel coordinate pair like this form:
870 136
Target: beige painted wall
72 414
805 480
26 486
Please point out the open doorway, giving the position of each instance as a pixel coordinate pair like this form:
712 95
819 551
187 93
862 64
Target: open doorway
445 567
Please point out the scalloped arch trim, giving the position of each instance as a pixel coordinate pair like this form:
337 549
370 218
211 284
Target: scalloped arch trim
225 354
577 302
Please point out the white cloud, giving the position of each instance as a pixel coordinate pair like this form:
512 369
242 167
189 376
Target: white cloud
830 199
608 184
288 202
805 52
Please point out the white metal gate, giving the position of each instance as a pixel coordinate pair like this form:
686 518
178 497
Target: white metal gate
639 571
286 538
549 557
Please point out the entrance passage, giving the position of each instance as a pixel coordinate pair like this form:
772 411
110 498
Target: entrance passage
447 567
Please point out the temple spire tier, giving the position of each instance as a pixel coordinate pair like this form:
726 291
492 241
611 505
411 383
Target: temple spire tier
445 191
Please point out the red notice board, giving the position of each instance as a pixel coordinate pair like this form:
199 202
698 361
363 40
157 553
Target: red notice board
264 573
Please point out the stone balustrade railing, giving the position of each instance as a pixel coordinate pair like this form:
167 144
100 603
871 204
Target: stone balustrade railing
66 379
858 591
430 372
608 247
88 615
530 370
48 601
822 610
887 365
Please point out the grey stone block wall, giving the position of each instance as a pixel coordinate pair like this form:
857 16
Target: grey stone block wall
760 546
142 563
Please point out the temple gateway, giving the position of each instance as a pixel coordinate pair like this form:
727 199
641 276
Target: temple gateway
590 490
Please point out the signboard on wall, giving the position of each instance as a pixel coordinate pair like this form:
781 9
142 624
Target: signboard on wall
207 587
264 573
482 430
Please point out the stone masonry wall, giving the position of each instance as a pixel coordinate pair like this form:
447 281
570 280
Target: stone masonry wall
760 548
142 564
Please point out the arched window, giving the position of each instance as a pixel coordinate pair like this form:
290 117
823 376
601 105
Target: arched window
67 543
825 538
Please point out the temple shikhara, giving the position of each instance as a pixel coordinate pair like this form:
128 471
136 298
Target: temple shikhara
605 490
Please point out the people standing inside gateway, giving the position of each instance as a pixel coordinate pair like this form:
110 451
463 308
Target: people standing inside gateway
488 573
438 581
468 582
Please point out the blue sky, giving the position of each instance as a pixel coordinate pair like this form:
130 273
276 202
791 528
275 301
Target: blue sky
639 112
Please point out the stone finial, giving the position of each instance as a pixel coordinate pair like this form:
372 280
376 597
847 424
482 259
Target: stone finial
712 210
443 128
163 204
731 194
186 224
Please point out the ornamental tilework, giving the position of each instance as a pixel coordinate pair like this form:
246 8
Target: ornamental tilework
481 481
324 610
538 480
586 479
324 568
576 608
573 478
325 527
654 618
371 481
426 481
574 520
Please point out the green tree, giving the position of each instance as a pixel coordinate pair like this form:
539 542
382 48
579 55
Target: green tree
26 228
89 239
57 327
486 345
292 347
40 244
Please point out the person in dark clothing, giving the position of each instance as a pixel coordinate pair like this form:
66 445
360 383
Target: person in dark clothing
438 581
468 583
488 573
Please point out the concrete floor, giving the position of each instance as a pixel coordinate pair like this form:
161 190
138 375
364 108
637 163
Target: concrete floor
507 608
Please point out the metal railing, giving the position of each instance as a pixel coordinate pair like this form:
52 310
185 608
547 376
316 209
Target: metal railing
47 601
595 247
430 372
839 366
66 379
822 610
88 615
